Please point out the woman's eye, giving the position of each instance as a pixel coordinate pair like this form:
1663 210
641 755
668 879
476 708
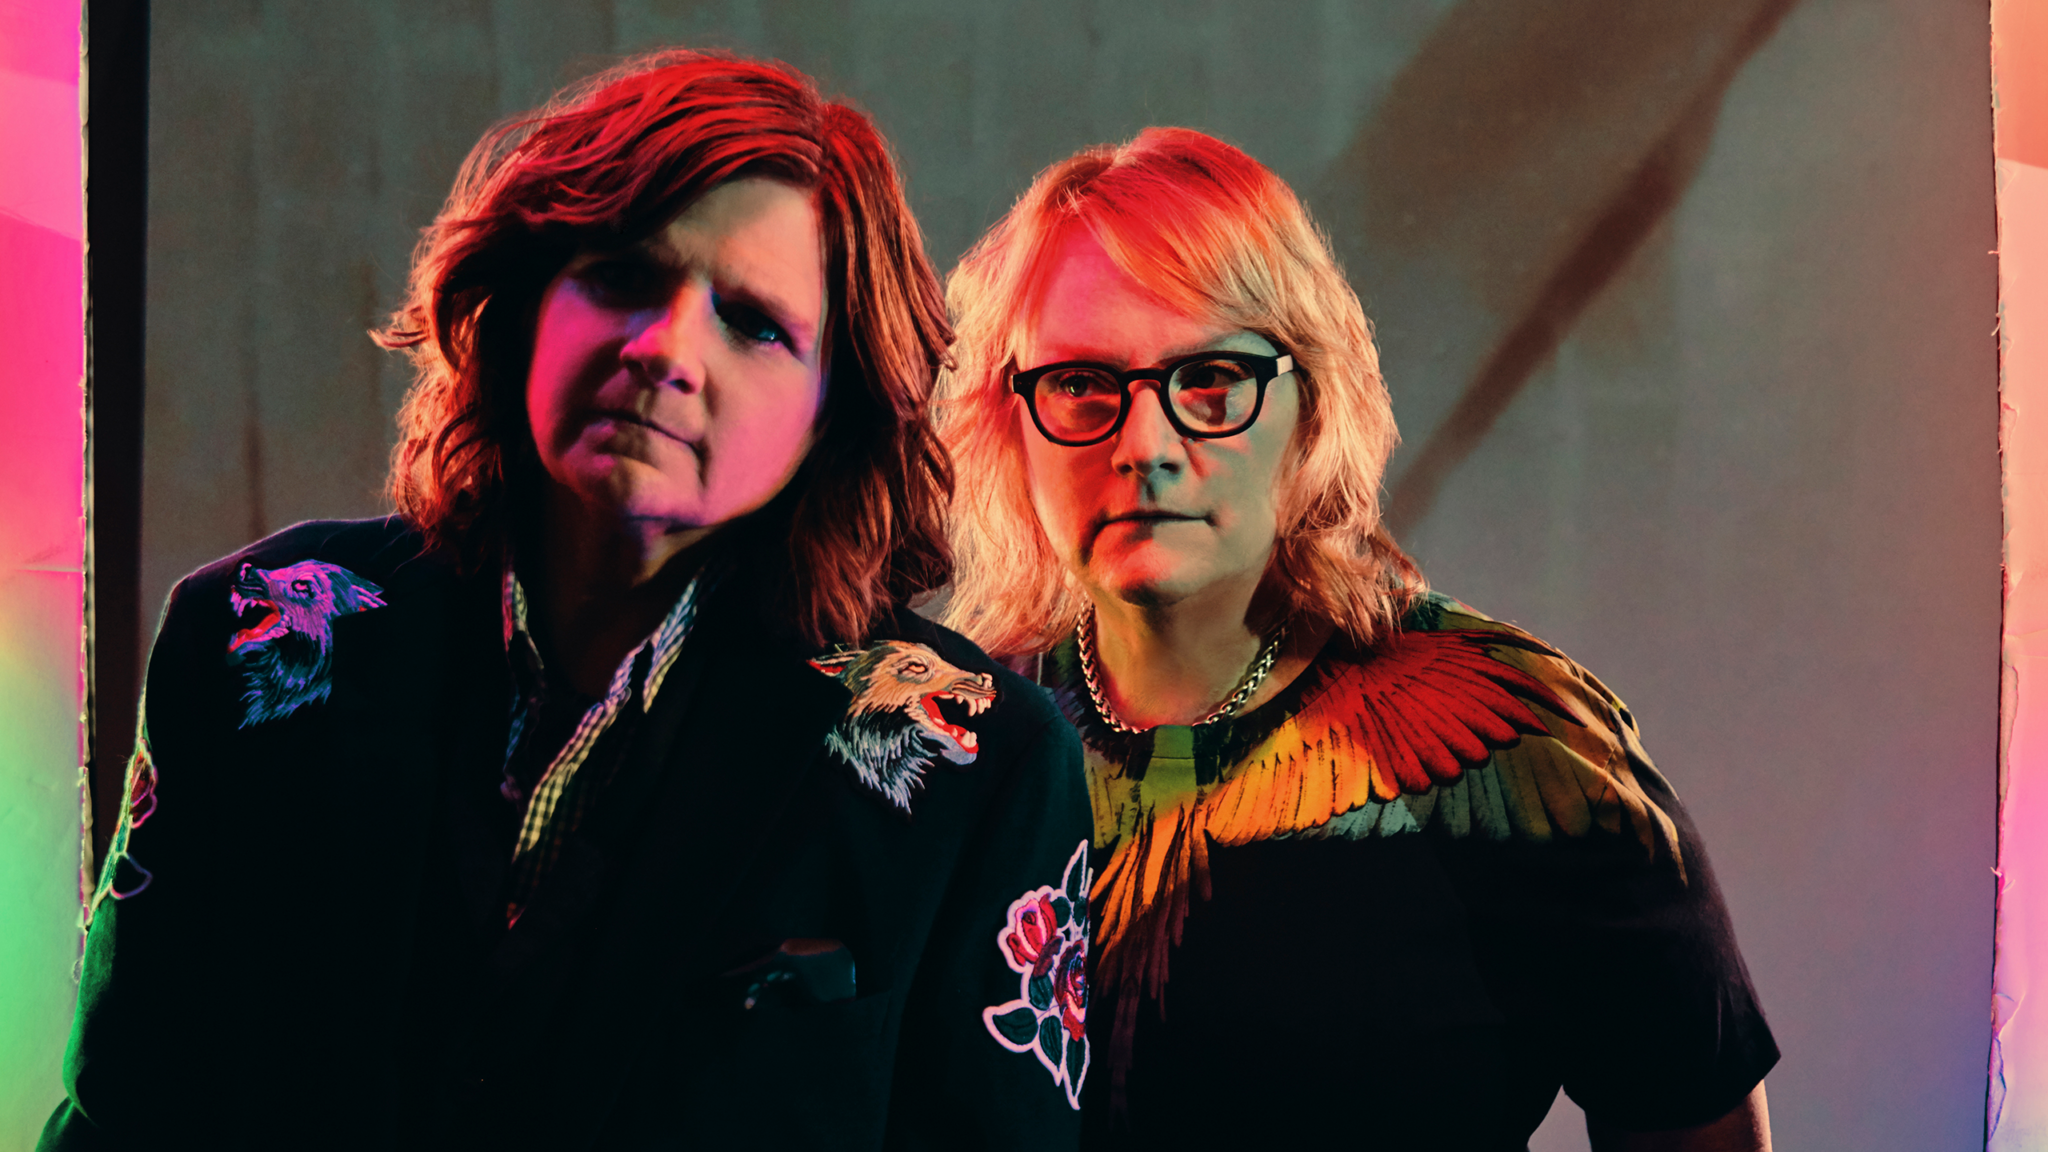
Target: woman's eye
1082 382
621 283
751 325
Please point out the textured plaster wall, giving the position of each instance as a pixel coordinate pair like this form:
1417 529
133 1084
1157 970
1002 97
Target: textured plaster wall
1755 487
1757 493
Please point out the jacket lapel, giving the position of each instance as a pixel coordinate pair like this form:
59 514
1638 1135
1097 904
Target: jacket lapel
701 783
619 928
739 758
400 710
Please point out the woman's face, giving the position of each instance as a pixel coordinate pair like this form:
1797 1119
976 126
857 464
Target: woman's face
1147 516
675 384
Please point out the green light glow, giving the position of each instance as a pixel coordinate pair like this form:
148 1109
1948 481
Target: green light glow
39 841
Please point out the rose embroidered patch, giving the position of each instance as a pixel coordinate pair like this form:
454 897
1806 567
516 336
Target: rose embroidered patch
894 727
284 640
1046 943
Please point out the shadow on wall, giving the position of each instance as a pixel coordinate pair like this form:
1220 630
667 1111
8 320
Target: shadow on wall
1532 148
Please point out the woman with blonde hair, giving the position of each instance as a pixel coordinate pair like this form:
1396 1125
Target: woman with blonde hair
1403 869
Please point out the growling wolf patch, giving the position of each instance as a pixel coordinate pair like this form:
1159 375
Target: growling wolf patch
894 727
285 645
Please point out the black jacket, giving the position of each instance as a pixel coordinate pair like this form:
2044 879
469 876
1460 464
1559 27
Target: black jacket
318 958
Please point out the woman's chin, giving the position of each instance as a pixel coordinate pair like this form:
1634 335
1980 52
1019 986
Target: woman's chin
625 490
1152 586
1162 579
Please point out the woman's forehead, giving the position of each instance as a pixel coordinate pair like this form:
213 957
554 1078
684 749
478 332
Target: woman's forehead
754 235
754 211
1049 348
1086 306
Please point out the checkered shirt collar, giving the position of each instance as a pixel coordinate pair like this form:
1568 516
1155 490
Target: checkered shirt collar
548 820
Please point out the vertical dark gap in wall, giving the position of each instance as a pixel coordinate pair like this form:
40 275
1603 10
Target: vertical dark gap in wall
116 225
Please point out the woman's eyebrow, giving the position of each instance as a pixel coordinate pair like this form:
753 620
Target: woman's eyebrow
642 253
1211 344
1061 353
1055 353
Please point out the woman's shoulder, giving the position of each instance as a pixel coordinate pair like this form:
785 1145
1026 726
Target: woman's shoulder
316 568
259 623
921 696
1435 625
348 552
1454 669
1458 722
1022 702
1434 611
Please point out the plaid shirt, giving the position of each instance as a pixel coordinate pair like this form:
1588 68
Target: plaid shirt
565 791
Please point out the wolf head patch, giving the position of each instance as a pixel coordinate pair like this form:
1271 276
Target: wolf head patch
284 643
894 726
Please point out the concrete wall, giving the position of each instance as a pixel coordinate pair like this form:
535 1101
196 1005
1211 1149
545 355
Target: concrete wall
1700 302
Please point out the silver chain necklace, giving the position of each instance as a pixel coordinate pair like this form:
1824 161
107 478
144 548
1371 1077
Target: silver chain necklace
1254 675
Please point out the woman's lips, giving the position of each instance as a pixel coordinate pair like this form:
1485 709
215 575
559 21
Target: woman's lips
1149 518
631 420
1136 520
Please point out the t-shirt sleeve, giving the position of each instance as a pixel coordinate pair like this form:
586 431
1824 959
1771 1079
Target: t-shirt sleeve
1618 963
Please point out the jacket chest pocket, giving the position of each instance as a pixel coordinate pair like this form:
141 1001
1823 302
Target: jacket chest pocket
792 1075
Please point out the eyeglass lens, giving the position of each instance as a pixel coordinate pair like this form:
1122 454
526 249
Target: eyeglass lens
1081 402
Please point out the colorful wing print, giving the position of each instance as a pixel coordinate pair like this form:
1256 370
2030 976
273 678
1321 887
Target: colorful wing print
1475 729
1479 729
1421 711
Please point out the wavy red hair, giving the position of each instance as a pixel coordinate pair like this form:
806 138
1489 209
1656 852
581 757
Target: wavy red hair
613 159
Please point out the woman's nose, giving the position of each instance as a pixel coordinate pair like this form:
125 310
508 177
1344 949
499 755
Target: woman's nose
1148 440
668 346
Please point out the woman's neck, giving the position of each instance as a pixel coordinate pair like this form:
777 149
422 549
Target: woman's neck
1174 663
601 587
1167 665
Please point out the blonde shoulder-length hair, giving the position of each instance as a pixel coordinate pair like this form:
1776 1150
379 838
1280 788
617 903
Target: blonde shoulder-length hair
1213 232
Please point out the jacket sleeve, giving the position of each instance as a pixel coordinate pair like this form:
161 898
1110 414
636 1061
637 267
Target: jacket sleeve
217 926
144 1033
994 1048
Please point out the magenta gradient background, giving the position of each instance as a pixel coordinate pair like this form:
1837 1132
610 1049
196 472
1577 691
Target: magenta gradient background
2017 1113
42 550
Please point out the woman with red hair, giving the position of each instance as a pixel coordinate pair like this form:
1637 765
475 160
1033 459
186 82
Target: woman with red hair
607 795
1376 870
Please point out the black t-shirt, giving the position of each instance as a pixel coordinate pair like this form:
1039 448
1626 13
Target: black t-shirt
1426 968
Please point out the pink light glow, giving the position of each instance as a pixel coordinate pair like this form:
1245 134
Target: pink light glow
42 546
2018 1105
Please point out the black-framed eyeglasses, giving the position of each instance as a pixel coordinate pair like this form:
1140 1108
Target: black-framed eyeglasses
1208 395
